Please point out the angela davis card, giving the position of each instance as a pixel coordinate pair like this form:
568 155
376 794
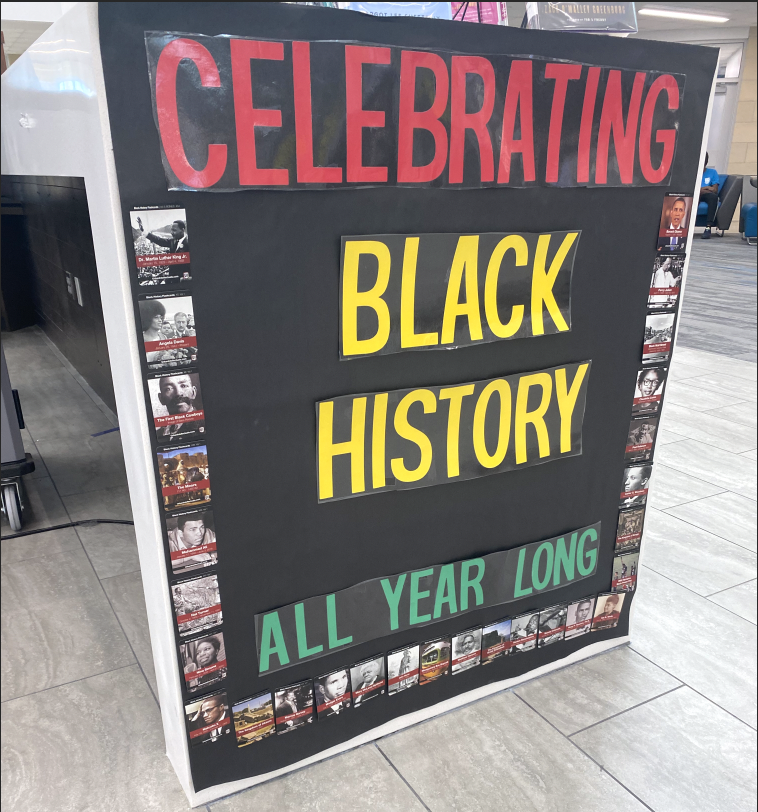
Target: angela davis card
168 330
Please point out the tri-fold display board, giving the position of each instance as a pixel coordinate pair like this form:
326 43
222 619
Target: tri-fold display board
395 386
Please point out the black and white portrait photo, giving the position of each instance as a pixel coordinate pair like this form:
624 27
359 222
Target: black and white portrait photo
467 650
367 680
293 706
332 693
177 405
579 617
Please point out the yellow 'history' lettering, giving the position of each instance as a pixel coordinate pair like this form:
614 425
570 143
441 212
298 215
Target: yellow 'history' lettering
420 437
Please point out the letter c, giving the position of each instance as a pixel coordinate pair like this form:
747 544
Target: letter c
168 115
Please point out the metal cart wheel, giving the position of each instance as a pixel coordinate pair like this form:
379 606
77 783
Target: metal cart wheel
12 507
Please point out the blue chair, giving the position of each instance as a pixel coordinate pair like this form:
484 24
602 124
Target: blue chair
730 188
749 211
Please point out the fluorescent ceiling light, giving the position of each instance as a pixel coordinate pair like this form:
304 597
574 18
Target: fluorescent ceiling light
681 15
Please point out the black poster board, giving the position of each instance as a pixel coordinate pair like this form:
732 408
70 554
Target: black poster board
265 298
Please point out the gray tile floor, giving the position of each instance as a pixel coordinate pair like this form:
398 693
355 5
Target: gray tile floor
666 724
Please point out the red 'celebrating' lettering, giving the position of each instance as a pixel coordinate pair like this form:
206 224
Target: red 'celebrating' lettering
301 81
612 121
411 119
518 94
665 137
460 120
248 117
562 75
168 115
356 118
585 128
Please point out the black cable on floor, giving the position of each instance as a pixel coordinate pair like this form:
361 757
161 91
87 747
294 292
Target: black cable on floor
82 523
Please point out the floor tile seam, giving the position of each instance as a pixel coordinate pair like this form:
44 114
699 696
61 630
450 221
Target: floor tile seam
727 609
630 708
699 479
691 591
118 619
588 756
702 529
708 481
692 688
709 444
63 505
710 352
514 688
70 682
713 412
726 589
283 776
402 777
674 442
710 372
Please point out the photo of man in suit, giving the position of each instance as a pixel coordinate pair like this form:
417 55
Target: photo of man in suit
175 241
675 222
208 719
161 246
635 485
332 693
367 680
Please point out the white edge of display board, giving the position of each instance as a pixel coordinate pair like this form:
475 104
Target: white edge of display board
55 122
